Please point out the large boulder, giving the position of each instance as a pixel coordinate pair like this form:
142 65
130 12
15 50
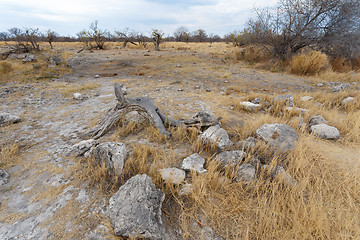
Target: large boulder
216 134
4 177
194 162
112 154
325 131
280 136
228 158
6 118
135 209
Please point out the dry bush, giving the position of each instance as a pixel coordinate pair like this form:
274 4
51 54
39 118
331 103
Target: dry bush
256 54
5 67
340 64
310 63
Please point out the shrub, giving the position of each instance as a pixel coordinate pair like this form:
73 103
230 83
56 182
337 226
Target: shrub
256 54
309 63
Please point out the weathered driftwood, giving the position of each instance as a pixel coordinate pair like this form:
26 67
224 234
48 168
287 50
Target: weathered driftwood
145 107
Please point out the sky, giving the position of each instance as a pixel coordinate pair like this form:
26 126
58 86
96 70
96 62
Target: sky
68 17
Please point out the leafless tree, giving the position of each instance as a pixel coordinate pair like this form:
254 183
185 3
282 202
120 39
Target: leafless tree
50 37
127 36
326 25
182 34
199 35
94 38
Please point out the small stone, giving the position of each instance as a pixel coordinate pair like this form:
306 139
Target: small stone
78 96
178 65
249 106
173 175
325 131
306 98
6 118
315 120
216 134
245 173
4 177
256 100
194 162
96 76
112 155
83 146
230 158
296 110
347 100
320 84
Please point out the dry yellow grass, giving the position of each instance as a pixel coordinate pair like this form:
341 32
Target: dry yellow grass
309 63
9 155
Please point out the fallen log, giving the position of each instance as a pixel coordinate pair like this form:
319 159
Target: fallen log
145 107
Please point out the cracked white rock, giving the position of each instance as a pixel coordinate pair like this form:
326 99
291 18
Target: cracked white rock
249 106
216 134
325 131
194 162
6 118
78 96
280 136
83 146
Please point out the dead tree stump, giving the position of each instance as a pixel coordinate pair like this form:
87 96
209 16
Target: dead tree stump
145 107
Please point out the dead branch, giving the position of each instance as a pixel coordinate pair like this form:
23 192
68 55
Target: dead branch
145 106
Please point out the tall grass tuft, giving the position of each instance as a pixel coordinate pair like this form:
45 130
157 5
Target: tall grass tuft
310 63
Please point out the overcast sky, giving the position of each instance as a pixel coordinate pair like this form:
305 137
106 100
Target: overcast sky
68 17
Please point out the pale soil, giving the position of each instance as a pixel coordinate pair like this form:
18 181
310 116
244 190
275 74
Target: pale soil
45 199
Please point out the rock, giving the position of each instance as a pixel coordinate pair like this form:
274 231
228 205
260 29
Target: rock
178 65
229 158
279 172
249 106
216 134
315 120
135 209
347 100
205 116
325 131
78 96
306 98
186 189
280 136
256 100
296 110
56 60
287 99
97 76
245 173
247 144
112 154
6 118
4 177
29 58
340 87
83 146
320 84
173 175
194 162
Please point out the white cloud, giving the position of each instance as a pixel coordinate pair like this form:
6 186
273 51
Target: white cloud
70 16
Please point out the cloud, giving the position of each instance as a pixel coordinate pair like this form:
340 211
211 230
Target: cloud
70 16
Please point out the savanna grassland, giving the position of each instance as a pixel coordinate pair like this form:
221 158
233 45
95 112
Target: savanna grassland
182 79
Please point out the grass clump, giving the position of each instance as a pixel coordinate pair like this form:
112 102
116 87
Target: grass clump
8 155
310 63
5 67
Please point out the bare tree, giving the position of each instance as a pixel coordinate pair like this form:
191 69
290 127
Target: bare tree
94 38
182 34
199 35
127 36
326 25
157 36
50 37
